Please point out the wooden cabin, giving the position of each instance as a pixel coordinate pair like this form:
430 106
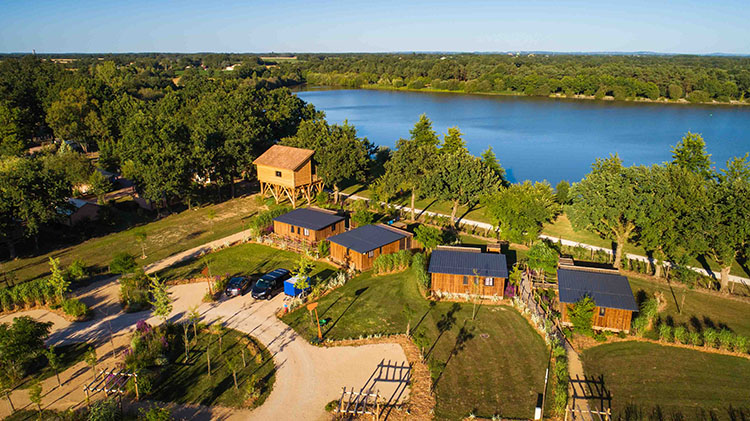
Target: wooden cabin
359 247
309 225
610 291
467 270
287 172
79 211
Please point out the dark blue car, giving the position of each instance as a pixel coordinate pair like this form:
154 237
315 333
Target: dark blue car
237 286
270 283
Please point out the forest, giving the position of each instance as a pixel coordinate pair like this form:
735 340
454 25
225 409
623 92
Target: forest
697 79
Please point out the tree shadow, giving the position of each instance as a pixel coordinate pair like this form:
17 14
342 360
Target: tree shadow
357 294
464 335
431 306
704 264
445 324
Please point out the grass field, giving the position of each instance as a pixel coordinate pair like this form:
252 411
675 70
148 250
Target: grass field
69 356
190 383
700 309
491 365
169 235
675 379
244 259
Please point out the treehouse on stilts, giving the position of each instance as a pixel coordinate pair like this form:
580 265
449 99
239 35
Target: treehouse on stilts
287 172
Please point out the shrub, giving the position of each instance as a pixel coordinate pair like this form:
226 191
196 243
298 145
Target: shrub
696 339
78 270
156 414
681 334
134 293
741 344
429 237
710 337
324 248
75 308
582 315
726 339
362 217
419 266
321 199
263 222
665 332
122 263
104 410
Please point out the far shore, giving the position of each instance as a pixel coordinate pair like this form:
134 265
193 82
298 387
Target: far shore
681 101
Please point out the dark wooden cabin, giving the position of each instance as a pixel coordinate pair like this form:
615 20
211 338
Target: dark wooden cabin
309 225
359 247
467 270
610 291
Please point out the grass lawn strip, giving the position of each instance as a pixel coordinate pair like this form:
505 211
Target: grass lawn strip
165 237
675 379
247 259
492 365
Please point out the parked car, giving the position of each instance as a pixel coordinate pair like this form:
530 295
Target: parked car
237 286
270 283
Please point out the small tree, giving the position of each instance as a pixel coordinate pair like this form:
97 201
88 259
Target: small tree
429 237
99 185
122 263
211 216
6 385
218 329
35 395
185 329
54 362
140 236
232 364
160 298
58 280
91 360
582 315
194 318
542 257
324 248
304 268
362 217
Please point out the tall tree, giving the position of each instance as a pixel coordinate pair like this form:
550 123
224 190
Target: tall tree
462 179
412 160
160 298
726 220
339 154
607 202
490 161
520 210
75 116
453 141
690 154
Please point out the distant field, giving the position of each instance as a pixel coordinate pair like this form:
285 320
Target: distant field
498 369
167 236
677 380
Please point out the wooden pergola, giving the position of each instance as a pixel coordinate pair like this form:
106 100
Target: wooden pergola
111 382
287 172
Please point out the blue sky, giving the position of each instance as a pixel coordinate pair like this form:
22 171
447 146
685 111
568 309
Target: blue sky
364 26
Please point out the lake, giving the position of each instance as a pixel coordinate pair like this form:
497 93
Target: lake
541 138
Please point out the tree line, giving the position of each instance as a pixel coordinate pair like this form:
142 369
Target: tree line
694 78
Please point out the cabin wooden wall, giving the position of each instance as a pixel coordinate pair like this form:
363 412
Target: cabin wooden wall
447 282
268 175
289 231
613 318
303 175
360 261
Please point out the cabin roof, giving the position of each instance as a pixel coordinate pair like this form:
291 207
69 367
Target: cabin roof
309 218
368 237
457 262
284 157
610 290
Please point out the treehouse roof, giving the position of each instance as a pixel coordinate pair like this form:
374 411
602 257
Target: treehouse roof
610 290
284 157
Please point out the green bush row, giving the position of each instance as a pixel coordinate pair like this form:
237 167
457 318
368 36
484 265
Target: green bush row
264 220
28 294
710 338
393 261
561 378
419 266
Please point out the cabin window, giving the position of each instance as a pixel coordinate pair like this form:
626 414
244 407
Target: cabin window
601 311
371 253
278 173
466 280
307 232
489 282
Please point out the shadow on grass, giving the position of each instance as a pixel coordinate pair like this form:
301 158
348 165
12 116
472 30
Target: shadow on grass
446 322
464 335
357 294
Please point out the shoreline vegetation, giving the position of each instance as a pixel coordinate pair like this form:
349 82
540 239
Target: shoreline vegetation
611 98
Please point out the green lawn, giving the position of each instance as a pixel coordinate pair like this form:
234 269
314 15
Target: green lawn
69 356
190 384
492 365
700 308
243 259
167 236
675 379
